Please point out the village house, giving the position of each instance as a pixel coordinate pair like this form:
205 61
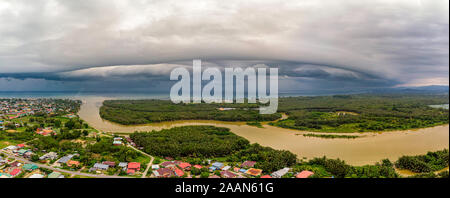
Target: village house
22 151
15 172
280 173
36 176
28 154
216 166
123 165
129 140
109 163
133 167
71 163
15 164
185 166
178 172
50 156
5 175
65 159
30 167
10 148
248 164
304 174
163 172
155 167
55 175
227 174
225 168
98 166
168 164
254 172
44 132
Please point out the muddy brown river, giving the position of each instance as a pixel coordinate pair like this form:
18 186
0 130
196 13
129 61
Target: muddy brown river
368 149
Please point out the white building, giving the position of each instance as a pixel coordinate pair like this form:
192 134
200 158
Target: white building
36 176
280 173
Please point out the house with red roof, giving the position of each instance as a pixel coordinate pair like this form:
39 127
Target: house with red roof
248 164
16 172
20 145
185 166
136 166
168 164
178 172
163 172
73 163
304 174
266 176
198 166
254 172
177 162
109 163
131 171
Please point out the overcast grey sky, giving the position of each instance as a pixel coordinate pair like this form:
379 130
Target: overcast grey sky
133 45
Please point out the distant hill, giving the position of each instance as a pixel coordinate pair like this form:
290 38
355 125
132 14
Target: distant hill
434 89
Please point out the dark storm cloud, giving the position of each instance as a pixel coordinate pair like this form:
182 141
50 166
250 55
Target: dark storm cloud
361 43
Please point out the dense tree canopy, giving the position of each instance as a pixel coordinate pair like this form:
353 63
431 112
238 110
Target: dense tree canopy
192 141
340 113
324 167
268 159
148 111
357 113
432 161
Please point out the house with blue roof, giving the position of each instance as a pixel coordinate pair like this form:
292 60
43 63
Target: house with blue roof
216 166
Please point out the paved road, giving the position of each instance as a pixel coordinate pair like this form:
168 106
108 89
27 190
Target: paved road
149 165
60 170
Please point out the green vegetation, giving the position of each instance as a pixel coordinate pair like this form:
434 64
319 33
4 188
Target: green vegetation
268 159
109 152
90 151
149 111
359 113
192 141
200 142
323 167
443 174
256 124
331 136
7 139
432 161
340 113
